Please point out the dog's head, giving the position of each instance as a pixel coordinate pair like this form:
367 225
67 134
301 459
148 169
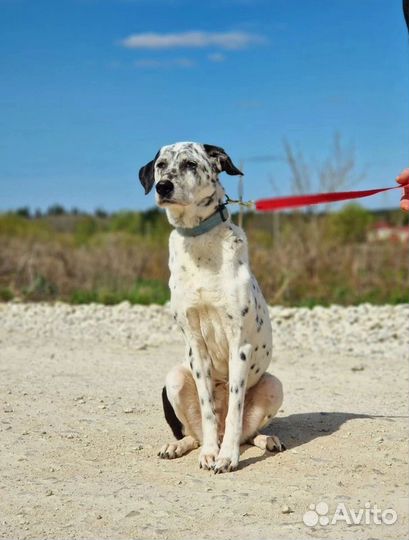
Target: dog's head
186 173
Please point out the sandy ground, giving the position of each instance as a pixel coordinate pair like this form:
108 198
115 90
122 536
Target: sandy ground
81 423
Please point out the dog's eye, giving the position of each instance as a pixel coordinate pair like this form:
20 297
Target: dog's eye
161 165
191 165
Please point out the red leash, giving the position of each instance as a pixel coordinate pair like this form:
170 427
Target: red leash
295 201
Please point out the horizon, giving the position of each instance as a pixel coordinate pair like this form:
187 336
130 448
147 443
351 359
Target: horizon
94 88
56 210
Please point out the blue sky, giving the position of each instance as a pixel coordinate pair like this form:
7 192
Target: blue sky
92 88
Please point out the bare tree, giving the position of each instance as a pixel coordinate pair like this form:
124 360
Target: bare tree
300 172
336 172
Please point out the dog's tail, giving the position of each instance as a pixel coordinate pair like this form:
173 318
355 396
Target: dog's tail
170 415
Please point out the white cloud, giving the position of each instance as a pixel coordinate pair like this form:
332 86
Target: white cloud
216 57
151 63
225 40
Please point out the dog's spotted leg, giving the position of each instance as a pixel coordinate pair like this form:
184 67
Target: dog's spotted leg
200 364
201 373
228 458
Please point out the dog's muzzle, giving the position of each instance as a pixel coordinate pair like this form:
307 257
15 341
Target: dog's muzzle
164 188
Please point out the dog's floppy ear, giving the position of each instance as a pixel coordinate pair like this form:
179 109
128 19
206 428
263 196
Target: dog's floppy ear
223 159
147 174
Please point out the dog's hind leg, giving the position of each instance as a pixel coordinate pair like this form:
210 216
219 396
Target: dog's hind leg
179 448
182 412
267 442
262 403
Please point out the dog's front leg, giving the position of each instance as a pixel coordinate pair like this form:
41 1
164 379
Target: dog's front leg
239 361
200 364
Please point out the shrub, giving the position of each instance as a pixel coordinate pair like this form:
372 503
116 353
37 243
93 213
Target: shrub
85 227
5 294
349 224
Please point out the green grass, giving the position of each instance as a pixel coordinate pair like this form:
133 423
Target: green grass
144 291
40 289
6 295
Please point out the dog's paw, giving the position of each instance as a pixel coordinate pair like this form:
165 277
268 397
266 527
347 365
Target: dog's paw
227 460
207 458
171 451
226 464
178 448
273 444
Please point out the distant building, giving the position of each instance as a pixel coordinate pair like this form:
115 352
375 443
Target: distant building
382 232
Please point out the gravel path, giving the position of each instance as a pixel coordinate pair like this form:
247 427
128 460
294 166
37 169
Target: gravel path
363 329
81 421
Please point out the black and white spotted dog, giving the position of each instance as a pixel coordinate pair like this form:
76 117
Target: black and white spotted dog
221 395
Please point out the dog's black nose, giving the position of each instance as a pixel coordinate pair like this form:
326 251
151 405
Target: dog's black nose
164 188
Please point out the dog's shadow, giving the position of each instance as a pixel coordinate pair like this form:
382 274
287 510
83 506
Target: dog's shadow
298 429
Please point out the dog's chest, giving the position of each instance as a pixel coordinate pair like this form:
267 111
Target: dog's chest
197 281
201 285
200 272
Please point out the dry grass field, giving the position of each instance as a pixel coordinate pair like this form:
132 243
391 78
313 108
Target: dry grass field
299 259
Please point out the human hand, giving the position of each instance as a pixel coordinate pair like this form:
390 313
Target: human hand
403 180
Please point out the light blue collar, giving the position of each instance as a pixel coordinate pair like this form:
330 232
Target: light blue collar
221 215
